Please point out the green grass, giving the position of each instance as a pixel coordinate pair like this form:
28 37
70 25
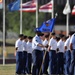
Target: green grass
7 69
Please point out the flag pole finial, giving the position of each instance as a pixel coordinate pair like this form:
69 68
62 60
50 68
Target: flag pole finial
56 15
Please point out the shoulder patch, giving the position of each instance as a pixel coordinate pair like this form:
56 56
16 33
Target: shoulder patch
37 40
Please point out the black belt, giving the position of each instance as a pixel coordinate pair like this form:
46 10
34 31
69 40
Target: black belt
24 51
61 52
52 50
39 51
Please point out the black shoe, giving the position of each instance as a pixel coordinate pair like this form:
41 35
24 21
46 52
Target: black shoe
18 74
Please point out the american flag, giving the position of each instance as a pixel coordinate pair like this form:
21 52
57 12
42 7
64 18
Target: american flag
29 6
73 10
47 7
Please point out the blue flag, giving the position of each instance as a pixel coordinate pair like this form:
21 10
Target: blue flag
47 26
14 6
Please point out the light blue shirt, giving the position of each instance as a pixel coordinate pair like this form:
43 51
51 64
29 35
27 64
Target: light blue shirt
73 41
29 47
19 45
36 40
53 44
67 44
24 46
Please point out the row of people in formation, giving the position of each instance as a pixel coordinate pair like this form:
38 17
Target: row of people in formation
57 52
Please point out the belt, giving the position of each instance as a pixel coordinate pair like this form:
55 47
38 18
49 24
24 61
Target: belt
24 51
38 50
19 52
61 52
52 50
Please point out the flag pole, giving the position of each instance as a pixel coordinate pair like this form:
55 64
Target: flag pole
49 36
21 18
36 13
67 22
53 12
3 32
53 9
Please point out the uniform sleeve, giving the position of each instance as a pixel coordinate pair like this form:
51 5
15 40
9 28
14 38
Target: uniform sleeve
65 44
50 43
16 44
71 40
58 45
36 42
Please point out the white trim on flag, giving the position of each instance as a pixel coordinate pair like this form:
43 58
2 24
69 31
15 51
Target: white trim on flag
26 4
47 7
29 6
28 9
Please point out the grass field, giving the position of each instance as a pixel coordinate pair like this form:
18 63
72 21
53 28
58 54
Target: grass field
7 69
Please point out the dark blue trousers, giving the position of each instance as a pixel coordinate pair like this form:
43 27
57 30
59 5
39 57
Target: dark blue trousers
29 62
19 62
67 61
60 63
46 63
24 61
52 62
64 63
72 65
37 57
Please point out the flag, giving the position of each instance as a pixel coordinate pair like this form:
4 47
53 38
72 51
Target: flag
14 6
1 4
29 6
47 26
67 9
73 10
47 7
26 4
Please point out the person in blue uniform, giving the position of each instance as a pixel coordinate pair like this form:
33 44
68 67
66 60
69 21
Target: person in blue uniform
46 61
72 48
19 52
60 55
52 54
25 54
29 54
67 54
37 54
